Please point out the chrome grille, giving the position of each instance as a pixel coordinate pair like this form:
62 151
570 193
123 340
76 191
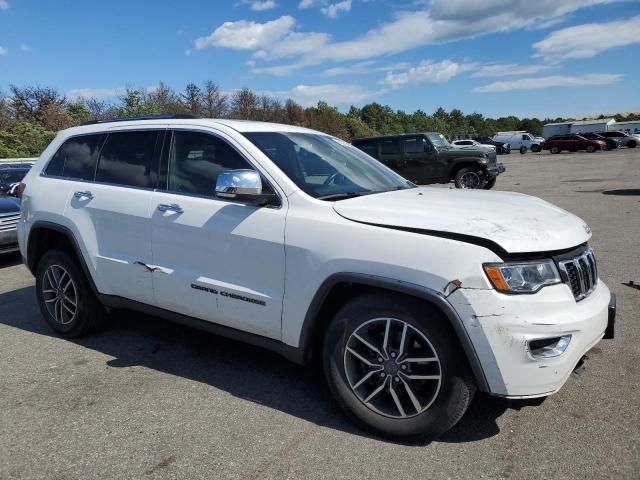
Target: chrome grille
580 274
9 222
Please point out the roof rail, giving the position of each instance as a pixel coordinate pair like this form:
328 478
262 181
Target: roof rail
141 117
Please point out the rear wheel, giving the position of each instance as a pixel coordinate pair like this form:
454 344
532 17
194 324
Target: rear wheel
554 150
395 368
65 298
523 150
591 148
470 178
536 148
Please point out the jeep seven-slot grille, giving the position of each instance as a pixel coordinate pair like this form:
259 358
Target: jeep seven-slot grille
9 222
580 274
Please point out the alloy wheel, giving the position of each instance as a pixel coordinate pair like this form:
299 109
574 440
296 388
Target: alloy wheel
60 295
392 368
470 180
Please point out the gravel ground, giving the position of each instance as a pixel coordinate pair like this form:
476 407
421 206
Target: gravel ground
149 399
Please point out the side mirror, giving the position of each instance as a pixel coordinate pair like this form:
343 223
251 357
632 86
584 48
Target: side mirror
240 184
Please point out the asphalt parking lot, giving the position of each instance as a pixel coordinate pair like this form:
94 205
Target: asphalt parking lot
148 399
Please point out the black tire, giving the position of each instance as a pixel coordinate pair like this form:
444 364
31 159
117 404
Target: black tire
554 150
523 150
456 385
591 148
89 313
632 144
470 178
536 148
490 184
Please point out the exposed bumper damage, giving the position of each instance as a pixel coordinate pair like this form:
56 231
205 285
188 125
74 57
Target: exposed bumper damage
505 330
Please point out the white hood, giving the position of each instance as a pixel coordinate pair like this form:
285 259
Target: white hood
518 223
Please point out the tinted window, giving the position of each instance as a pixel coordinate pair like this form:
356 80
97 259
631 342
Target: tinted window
414 145
76 158
197 159
390 146
127 159
12 176
368 146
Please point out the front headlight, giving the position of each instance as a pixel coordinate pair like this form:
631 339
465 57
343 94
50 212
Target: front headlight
522 277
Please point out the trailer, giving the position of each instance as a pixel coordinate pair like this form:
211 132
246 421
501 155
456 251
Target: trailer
560 128
632 128
596 125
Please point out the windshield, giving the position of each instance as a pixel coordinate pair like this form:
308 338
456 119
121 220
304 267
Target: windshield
438 140
326 167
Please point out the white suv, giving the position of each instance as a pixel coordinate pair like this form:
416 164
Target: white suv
296 241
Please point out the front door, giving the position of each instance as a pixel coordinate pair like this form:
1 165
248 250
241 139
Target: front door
213 259
420 160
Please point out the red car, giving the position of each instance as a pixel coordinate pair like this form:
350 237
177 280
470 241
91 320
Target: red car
572 143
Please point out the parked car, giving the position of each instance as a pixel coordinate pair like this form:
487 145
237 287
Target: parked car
611 142
572 143
9 216
472 144
626 140
501 148
426 158
521 141
411 298
10 175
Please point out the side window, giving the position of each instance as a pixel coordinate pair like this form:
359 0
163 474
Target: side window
127 159
76 158
390 146
413 145
525 137
369 147
196 160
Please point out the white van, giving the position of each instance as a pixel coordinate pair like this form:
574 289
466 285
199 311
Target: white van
519 140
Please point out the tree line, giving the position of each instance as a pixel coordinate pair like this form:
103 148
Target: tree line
30 116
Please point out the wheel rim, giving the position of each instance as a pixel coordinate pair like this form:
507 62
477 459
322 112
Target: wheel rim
392 368
60 294
470 180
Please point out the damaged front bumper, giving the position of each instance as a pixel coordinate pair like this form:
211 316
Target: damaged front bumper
528 345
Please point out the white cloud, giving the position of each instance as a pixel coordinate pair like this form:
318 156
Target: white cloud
3 51
96 92
551 81
334 94
588 40
4 4
509 69
259 5
363 68
334 9
426 72
436 22
244 35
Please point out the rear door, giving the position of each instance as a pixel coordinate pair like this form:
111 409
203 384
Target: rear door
111 214
390 154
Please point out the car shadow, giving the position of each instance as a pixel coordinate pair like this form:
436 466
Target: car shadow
247 372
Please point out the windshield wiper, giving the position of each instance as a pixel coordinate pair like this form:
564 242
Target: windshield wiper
342 196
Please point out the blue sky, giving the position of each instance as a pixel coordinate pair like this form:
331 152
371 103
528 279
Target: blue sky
497 57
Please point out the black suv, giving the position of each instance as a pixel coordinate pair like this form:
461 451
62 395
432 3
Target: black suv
11 174
428 157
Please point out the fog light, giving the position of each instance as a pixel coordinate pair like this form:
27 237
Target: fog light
549 347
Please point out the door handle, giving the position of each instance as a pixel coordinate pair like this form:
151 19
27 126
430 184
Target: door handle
173 207
86 194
